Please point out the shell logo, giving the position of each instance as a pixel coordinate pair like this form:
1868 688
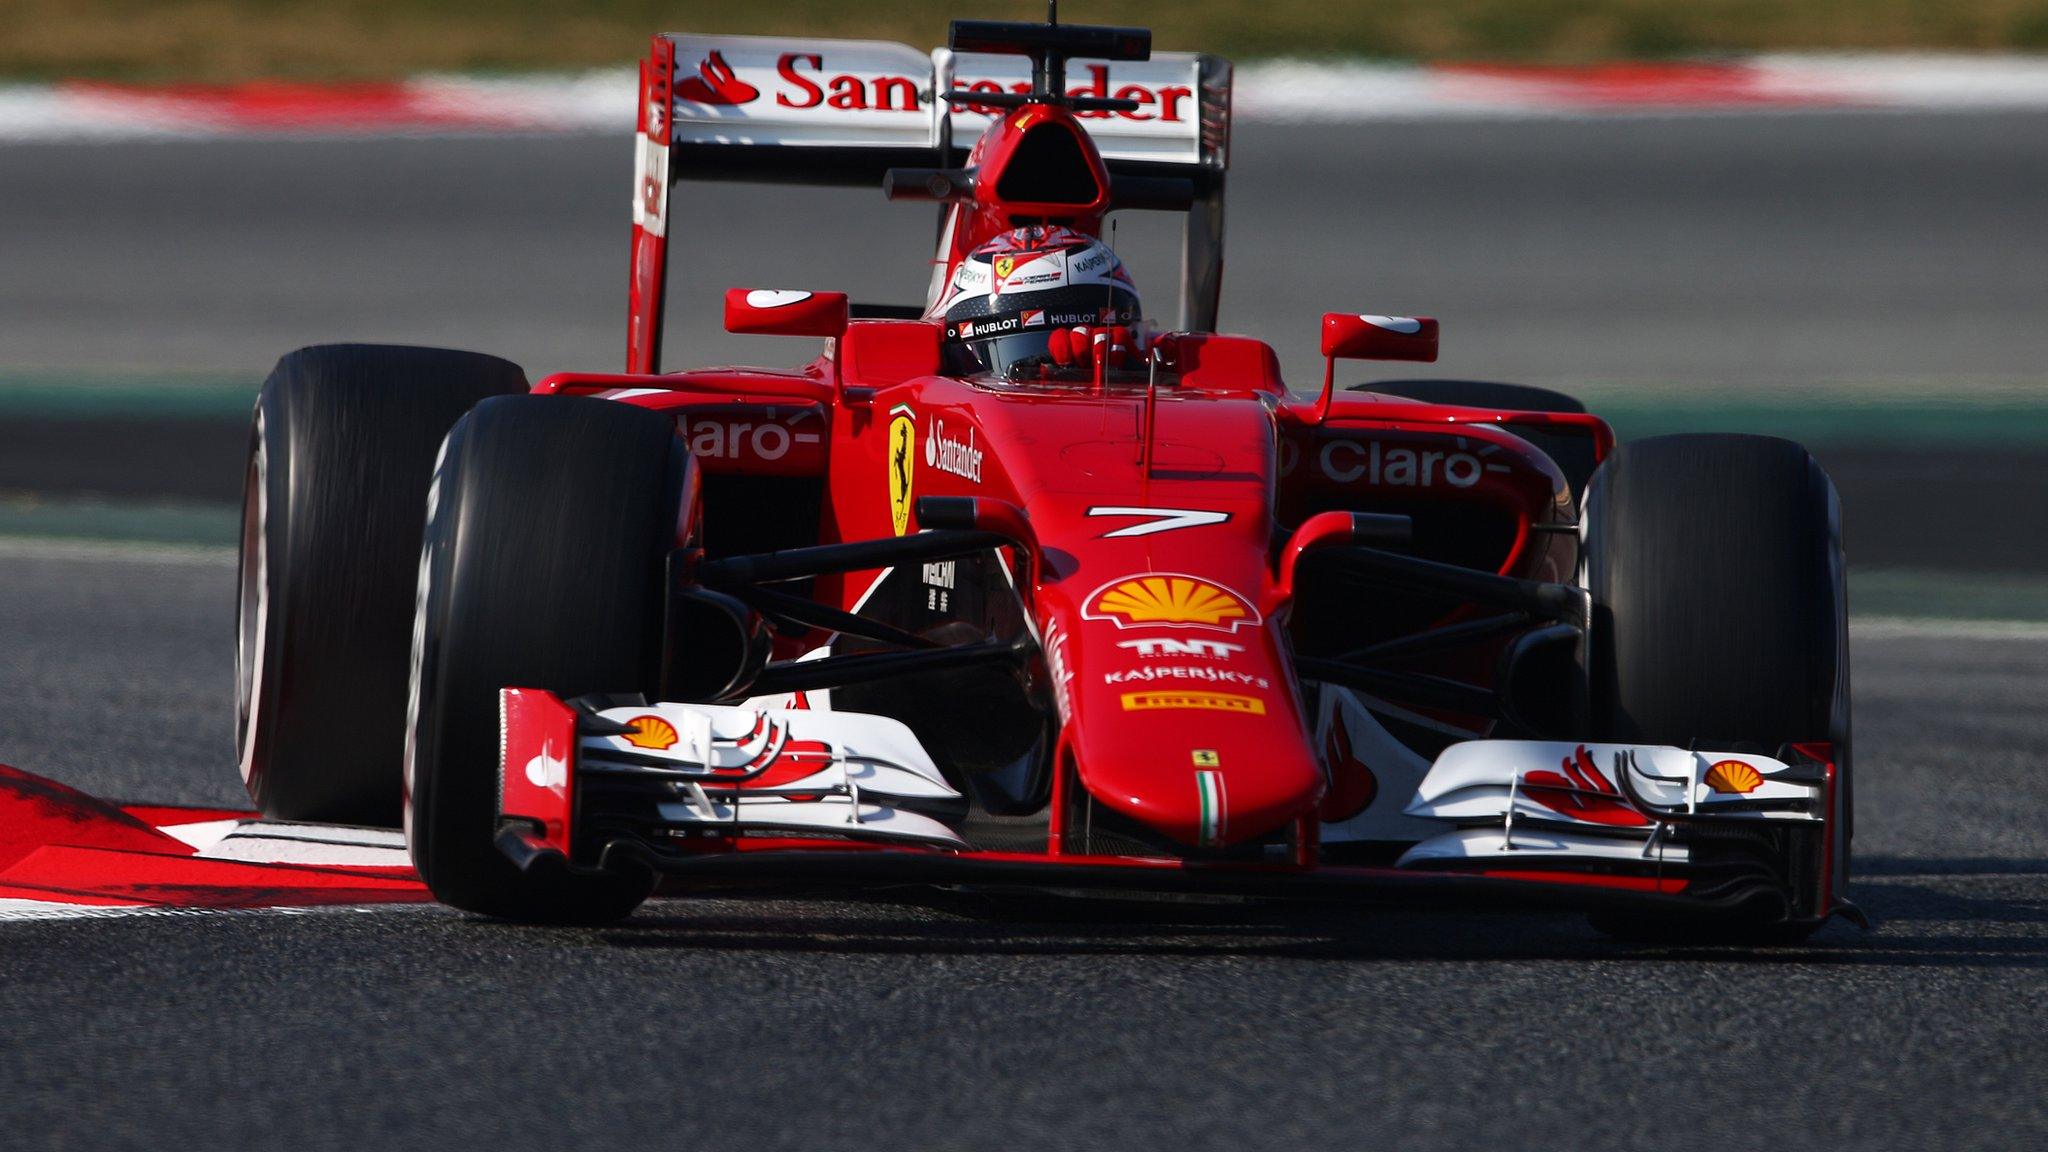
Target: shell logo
650 732
1734 777
1170 599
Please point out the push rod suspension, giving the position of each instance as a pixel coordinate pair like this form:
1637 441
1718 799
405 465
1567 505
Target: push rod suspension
1560 602
834 671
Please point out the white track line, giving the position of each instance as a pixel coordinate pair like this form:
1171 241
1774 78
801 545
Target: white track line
15 911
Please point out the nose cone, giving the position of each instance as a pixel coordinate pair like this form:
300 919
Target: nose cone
1210 783
1183 716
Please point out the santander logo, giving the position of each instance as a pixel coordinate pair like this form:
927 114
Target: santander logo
806 80
716 83
960 457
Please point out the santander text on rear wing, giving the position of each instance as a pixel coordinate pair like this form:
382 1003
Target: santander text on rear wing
844 112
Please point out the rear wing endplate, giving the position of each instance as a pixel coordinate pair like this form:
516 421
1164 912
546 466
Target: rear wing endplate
844 112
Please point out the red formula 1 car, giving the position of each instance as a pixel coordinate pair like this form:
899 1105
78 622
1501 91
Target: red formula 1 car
1015 588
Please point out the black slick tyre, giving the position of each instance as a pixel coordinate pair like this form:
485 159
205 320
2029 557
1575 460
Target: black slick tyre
341 447
1720 615
548 529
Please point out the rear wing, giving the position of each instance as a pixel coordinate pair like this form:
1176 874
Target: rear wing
844 112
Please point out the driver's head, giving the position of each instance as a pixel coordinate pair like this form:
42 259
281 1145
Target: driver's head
1009 295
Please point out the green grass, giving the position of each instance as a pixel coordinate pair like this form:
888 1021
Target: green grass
219 40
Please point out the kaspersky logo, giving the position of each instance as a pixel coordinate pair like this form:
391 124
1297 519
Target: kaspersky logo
716 83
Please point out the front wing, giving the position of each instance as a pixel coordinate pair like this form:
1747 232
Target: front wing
717 797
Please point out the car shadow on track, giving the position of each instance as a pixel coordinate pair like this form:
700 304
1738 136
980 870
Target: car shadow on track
922 927
1940 913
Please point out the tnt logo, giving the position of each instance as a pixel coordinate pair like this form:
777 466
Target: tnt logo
1167 646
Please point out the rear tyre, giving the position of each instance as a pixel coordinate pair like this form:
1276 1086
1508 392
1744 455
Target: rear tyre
340 450
548 528
1573 455
1720 614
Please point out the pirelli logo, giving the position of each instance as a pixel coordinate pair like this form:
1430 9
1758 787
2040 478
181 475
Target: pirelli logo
1207 701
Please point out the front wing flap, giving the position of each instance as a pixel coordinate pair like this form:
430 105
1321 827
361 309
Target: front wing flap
1709 820
679 768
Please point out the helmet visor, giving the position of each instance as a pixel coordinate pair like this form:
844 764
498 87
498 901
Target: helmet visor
1014 343
997 345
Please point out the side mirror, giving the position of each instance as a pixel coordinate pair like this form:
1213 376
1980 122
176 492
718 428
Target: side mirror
1351 337
1348 336
781 312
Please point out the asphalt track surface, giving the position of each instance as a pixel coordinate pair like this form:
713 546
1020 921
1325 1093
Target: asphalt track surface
922 1022
1896 250
1771 250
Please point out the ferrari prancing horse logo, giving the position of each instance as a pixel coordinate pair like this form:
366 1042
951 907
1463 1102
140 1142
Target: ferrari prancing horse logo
902 451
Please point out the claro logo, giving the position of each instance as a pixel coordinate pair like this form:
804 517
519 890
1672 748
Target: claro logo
732 439
1370 462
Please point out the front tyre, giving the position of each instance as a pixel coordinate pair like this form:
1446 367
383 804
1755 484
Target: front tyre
1720 613
340 449
549 524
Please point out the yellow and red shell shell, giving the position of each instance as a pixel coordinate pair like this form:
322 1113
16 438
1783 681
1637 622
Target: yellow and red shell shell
651 732
1734 777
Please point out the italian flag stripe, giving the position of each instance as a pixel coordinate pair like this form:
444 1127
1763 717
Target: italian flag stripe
1209 786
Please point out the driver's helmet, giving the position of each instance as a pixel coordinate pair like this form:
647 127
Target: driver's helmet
1010 295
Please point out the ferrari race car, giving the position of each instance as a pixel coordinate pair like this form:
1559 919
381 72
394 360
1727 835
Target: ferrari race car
1016 588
